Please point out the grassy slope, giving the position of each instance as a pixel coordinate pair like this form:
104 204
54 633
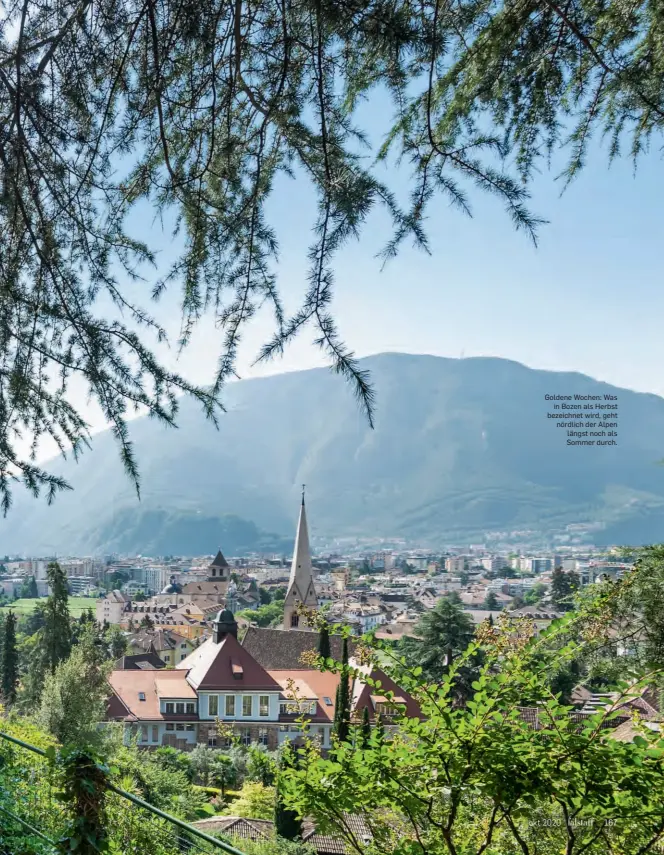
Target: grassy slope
77 605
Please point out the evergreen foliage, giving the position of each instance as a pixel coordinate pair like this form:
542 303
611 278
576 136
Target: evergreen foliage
491 602
365 729
563 587
57 631
324 642
442 635
341 726
85 86
9 660
286 821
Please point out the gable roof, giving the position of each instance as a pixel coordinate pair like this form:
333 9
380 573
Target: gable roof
226 665
282 649
206 587
363 695
311 685
139 662
158 639
129 685
238 826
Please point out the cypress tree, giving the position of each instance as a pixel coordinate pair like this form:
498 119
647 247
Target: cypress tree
365 730
286 821
9 660
3 618
57 634
342 710
324 642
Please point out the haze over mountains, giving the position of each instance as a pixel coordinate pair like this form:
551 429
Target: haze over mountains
461 447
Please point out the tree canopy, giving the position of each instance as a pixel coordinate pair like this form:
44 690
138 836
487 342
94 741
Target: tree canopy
514 770
192 111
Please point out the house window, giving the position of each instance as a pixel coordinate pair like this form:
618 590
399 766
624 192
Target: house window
191 709
170 708
183 646
141 696
283 728
264 705
246 736
312 708
179 708
155 733
328 702
167 657
170 726
212 741
213 704
230 705
189 727
262 735
183 657
247 705
294 620
179 727
144 733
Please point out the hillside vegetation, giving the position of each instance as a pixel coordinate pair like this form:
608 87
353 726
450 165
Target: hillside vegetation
460 447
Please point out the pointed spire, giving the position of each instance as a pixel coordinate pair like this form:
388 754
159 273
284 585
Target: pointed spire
301 570
301 583
219 560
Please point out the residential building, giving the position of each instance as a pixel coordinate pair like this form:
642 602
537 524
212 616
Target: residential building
169 646
456 564
221 681
365 616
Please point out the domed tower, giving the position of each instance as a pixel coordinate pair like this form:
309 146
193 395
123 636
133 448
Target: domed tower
224 624
301 590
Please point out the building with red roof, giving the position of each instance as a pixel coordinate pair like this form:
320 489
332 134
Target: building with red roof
221 681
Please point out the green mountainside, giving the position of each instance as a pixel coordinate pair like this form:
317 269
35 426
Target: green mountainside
461 447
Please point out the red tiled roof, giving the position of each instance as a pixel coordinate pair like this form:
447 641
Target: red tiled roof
363 694
309 685
215 666
127 685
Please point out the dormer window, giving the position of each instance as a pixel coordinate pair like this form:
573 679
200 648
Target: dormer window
237 669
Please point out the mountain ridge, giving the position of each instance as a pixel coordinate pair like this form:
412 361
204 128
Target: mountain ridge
461 447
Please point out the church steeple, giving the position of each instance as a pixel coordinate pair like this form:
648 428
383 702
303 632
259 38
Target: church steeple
301 583
219 570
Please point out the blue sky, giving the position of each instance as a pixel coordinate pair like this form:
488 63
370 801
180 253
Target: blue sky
587 299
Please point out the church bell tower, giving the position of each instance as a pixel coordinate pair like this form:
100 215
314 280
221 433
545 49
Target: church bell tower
301 590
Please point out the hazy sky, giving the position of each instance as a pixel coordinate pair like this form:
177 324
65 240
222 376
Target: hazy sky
588 299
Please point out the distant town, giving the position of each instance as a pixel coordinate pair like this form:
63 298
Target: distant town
384 589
